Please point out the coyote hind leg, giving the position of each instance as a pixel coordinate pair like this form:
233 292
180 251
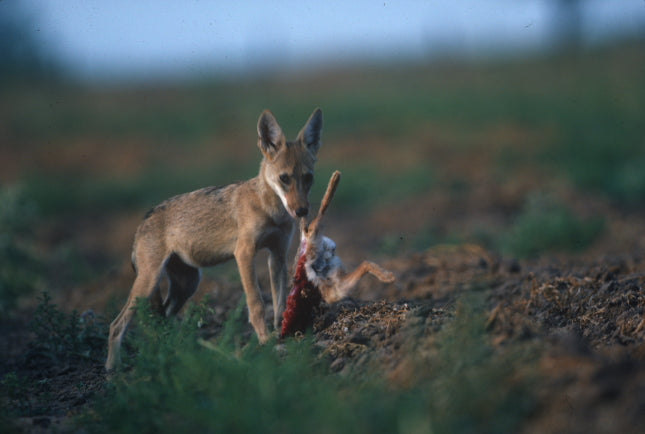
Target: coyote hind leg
146 285
184 280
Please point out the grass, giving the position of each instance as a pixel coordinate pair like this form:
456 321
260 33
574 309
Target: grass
21 268
473 389
63 337
26 265
60 341
179 382
601 142
61 195
364 187
584 115
544 225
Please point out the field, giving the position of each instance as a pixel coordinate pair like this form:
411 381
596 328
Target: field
508 197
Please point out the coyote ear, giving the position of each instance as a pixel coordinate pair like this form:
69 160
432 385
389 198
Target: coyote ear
270 137
311 132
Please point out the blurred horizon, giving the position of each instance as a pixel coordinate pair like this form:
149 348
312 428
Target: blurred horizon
124 41
474 122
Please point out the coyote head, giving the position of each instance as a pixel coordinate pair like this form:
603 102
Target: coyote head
288 166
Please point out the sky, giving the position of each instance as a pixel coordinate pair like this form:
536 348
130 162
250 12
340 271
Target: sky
113 39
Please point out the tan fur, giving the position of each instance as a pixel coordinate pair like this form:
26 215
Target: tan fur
331 278
214 224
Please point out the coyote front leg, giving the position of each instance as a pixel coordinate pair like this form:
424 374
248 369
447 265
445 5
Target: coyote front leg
278 277
245 258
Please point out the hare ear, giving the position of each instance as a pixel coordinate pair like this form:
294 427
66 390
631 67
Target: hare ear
270 137
311 132
329 194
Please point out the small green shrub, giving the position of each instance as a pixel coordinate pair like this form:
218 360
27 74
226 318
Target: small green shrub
605 158
20 268
627 185
65 337
544 225
60 340
14 397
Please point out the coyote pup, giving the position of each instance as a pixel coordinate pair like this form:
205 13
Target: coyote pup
214 224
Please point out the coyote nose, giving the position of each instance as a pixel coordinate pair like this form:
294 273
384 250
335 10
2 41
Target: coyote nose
301 212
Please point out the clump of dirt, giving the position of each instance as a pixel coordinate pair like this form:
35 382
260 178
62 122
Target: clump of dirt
352 333
591 322
602 310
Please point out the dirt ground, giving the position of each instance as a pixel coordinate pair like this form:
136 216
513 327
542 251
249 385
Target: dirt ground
585 311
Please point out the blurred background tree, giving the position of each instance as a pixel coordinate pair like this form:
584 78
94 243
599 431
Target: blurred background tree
568 24
22 55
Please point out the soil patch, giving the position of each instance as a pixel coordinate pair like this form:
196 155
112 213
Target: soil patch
585 317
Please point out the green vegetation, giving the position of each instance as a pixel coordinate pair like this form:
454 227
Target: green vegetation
545 225
365 186
62 337
179 382
600 145
472 388
20 268
67 194
578 118
439 132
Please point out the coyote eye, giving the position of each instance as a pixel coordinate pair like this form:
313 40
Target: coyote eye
284 178
307 178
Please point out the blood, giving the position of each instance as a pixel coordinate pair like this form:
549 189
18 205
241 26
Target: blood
301 302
